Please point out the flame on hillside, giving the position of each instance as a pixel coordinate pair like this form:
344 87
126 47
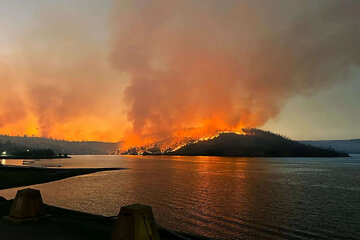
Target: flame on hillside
171 144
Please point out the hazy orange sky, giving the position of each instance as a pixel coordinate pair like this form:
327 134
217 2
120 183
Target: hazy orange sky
111 70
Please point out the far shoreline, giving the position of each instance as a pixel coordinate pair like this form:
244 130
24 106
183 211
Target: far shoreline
237 156
29 157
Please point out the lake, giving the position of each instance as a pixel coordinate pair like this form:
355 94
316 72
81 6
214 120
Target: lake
220 197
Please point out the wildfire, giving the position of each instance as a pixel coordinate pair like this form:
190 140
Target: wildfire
170 144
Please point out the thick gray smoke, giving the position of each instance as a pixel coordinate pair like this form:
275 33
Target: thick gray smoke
201 66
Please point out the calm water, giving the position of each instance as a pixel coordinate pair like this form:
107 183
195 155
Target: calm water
228 198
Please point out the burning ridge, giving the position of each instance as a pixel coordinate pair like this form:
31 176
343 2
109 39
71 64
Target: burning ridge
249 143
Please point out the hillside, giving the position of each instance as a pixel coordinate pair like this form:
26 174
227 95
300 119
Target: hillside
349 146
256 143
61 146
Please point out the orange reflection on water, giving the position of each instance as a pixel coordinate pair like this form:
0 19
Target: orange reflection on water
12 162
216 180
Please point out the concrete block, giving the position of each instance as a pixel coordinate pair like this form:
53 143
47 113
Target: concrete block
27 205
135 222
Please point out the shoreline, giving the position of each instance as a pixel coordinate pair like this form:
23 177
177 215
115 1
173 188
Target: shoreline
19 176
66 223
238 156
35 158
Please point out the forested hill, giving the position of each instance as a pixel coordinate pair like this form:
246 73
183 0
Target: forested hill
256 143
61 146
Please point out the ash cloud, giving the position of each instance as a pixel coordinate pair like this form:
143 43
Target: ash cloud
200 66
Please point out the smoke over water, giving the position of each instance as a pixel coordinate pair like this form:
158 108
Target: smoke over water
199 67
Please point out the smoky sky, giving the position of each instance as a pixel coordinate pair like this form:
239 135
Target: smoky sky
150 69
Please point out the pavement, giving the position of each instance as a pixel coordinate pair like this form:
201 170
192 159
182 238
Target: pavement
60 223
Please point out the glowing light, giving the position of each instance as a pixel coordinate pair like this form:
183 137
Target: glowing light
3 153
3 162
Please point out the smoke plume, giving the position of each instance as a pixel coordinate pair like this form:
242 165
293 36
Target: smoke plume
198 67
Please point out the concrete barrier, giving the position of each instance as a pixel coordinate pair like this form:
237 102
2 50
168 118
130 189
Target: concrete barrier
135 222
26 206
